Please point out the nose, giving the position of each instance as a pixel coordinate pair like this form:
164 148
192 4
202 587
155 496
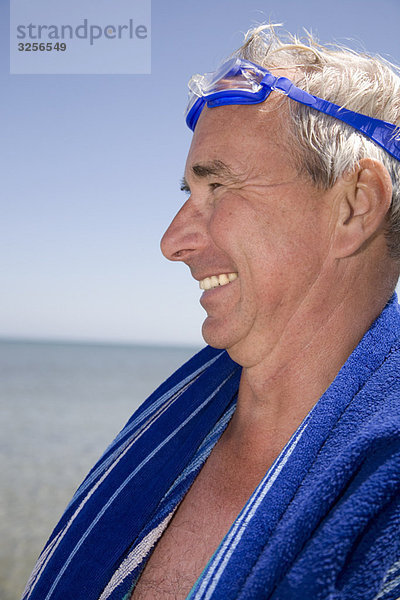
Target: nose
186 235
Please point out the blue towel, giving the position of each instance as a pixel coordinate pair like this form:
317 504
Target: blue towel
322 524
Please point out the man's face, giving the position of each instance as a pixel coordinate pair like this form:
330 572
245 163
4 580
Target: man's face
249 213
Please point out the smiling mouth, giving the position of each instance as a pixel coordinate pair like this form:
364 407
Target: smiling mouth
214 281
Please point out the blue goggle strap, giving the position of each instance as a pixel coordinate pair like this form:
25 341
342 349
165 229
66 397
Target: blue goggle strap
381 132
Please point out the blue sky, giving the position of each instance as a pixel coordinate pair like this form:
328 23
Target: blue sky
91 166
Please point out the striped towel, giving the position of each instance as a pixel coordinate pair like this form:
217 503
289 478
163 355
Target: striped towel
324 522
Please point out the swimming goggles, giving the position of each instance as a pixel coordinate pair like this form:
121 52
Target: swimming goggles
240 81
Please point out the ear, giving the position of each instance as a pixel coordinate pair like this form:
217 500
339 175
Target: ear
364 199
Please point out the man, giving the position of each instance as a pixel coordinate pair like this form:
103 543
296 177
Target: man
270 470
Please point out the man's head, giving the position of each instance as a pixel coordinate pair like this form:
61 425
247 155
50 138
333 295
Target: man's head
265 206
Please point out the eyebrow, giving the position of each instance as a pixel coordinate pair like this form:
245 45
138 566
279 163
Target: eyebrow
212 168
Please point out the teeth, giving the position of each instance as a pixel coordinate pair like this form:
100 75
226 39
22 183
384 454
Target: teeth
215 280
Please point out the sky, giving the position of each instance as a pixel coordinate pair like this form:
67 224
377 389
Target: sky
91 168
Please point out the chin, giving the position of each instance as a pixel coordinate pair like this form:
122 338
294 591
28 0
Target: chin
243 347
216 337
218 334
214 341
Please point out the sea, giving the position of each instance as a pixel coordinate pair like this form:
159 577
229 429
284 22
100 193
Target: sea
61 404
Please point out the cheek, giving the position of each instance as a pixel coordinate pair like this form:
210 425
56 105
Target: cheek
271 239
234 223
250 233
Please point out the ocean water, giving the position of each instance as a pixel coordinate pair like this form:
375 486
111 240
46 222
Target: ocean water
61 404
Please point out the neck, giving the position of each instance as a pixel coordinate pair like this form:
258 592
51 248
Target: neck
278 390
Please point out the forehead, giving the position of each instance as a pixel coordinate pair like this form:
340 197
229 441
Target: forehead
251 137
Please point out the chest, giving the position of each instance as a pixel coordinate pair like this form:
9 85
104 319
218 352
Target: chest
201 521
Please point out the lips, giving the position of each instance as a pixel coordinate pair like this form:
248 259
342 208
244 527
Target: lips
214 281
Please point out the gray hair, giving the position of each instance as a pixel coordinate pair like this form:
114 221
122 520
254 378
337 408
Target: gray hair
325 147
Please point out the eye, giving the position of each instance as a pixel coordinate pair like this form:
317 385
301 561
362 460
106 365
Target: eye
185 188
214 186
